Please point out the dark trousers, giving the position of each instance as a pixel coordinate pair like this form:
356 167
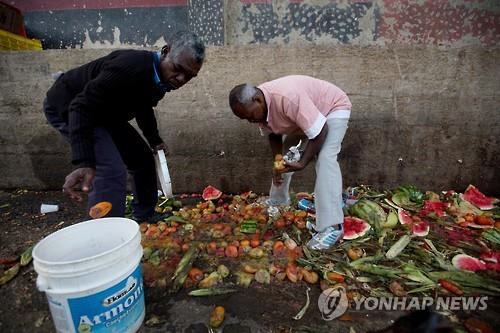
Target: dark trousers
118 149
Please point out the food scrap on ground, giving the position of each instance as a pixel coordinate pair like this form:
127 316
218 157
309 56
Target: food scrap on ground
399 241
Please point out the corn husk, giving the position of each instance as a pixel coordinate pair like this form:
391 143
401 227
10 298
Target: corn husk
398 247
183 268
468 279
9 274
211 291
26 256
302 311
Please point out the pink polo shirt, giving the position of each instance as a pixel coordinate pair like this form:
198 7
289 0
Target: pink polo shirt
299 103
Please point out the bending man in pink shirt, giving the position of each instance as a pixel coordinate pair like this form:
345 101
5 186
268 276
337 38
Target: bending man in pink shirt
298 107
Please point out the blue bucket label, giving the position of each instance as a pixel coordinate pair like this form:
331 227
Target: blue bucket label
115 309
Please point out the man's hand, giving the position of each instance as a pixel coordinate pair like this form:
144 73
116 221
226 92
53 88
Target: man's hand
162 146
289 167
81 177
293 166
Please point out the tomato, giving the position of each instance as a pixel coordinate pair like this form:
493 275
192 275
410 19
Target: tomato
211 247
279 223
332 276
278 248
143 227
292 272
227 230
232 251
195 274
254 243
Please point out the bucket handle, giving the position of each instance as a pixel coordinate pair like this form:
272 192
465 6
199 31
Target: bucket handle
42 283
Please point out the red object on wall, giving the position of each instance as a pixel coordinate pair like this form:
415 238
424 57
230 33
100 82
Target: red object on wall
11 19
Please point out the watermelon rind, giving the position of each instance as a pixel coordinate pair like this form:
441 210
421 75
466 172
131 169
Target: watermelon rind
404 217
392 220
421 233
370 212
467 263
392 204
354 235
402 199
211 193
480 226
468 196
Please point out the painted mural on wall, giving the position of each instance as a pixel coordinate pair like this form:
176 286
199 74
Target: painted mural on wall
119 23
136 23
366 22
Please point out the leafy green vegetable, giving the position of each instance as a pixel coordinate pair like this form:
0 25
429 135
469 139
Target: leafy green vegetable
26 256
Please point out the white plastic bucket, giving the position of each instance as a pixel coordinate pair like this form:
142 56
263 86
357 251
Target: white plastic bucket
92 277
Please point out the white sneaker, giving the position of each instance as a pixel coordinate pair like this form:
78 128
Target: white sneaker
325 239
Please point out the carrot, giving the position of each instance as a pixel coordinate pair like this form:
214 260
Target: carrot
451 287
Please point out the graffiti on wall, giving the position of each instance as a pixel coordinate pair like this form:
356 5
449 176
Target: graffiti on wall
129 23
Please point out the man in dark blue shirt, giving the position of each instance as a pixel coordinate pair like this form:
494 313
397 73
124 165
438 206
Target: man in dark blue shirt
92 105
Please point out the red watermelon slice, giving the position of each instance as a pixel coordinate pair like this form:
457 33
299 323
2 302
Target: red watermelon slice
354 227
468 263
419 227
211 193
493 256
404 217
478 199
436 207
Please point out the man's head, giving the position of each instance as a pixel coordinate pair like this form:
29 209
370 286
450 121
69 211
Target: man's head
181 59
248 102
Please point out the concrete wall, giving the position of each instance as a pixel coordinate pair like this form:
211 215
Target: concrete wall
132 23
421 115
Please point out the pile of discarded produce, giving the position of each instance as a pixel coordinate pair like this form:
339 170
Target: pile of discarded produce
396 242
